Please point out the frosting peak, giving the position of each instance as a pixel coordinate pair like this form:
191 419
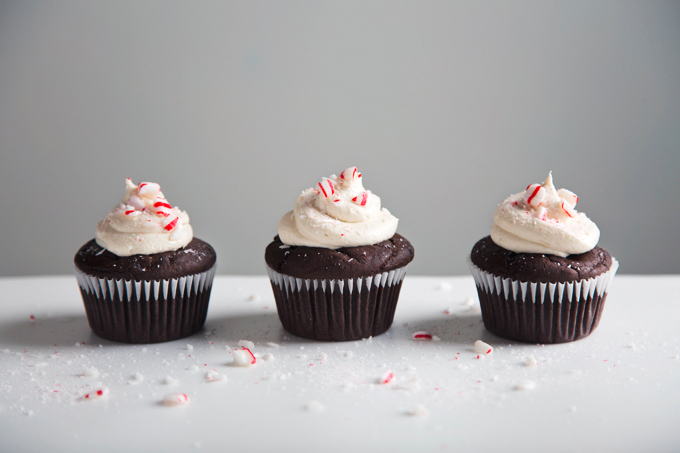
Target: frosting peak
144 223
337 212
543 220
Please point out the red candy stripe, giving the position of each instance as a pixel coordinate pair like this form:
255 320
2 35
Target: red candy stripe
327 187
361 199
172 224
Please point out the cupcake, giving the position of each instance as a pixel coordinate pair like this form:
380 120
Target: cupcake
540 276
337 264
144 278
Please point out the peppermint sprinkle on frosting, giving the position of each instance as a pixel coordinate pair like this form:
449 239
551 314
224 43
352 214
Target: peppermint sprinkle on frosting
337 212
543 220
144 223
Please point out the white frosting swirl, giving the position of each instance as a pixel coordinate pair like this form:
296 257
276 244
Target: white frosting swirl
144 223
337 213
543 220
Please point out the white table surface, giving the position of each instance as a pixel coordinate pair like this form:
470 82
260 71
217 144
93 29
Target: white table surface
618 390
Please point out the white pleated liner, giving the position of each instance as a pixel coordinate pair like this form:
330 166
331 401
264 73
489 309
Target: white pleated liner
289 283
143 288
575 290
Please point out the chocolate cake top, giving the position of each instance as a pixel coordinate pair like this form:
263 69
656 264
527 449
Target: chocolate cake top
196 257
537 267
346 262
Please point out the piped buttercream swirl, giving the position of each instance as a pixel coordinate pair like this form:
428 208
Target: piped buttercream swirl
144 223
543 220
337 213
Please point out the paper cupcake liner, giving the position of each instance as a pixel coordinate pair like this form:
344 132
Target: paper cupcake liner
337 309
146 311
541 312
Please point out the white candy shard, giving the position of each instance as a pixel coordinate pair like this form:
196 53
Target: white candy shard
193 368
569 196
273 345
90 371
189 347
214 376
419 410
531 361
268 357
315 406
243 357
176 399
245 344
137 378
526 385
169 380
482 348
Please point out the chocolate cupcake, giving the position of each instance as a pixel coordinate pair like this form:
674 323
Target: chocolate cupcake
145 278
337 264
540 276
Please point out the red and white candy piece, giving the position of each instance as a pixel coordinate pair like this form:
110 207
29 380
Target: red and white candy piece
350 174
361 199
387 378
569 196
169 223
535 194
482 348
244 357
96 394
148 189
568 209
326 187
424 336
176 399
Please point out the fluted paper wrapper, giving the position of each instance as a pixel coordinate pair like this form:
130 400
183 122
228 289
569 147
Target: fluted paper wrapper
146 311
541 312
337 310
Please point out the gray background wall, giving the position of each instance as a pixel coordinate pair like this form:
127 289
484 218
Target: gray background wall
235 107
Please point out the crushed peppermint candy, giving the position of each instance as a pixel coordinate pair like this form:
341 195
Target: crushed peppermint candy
245 344
243 357
535 194
176 399
90 372
424 336
482 348
315 406
273 345
99 393
169 380
387 378
526 385
531 361
213 376
419 410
